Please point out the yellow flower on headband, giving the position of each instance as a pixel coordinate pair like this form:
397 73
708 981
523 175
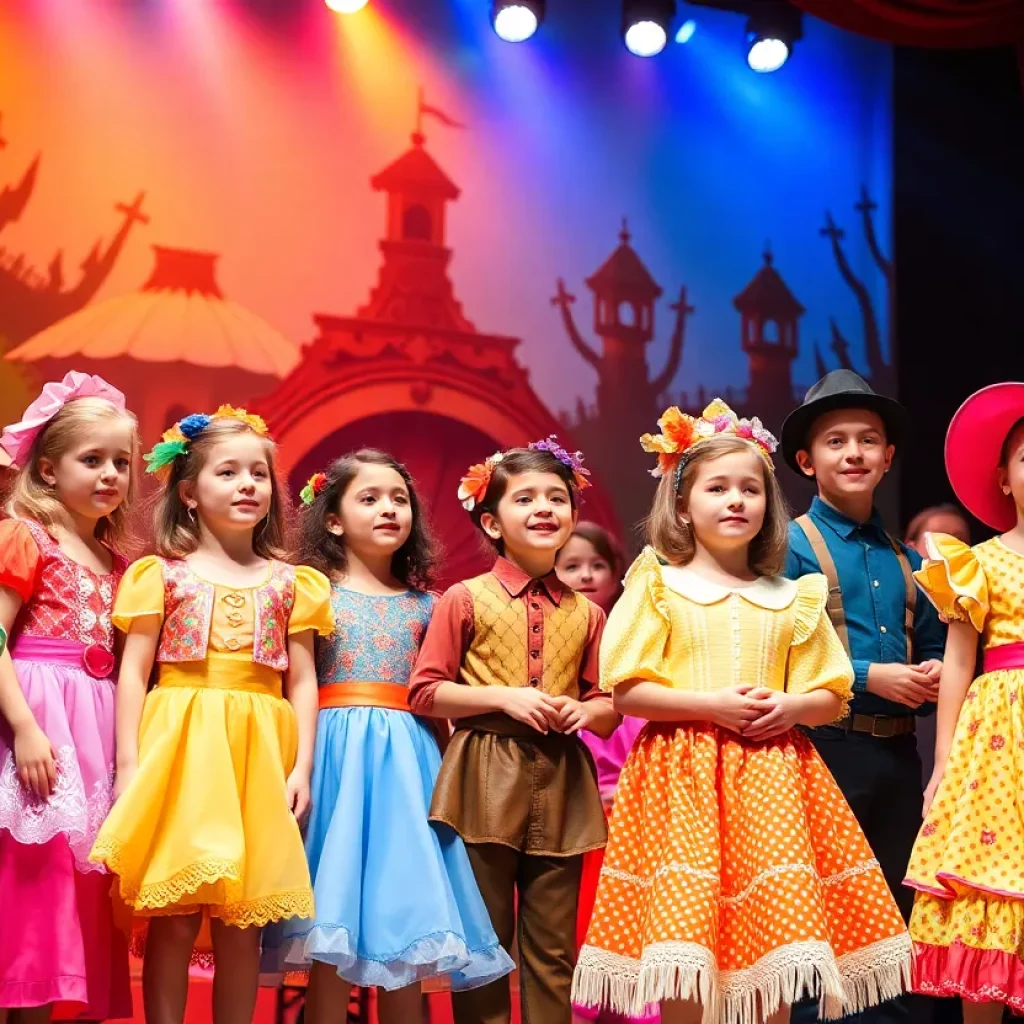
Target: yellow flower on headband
251 420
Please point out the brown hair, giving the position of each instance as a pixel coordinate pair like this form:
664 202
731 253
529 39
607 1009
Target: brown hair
514 462
33 498
675 542
1006 451
603 543
414 563
916 526
177 533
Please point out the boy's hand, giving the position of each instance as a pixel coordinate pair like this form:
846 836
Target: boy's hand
902 684
573 715
536 709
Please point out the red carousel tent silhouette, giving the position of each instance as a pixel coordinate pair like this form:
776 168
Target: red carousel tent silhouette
409 373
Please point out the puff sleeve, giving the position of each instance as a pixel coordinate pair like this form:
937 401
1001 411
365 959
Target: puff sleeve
817 659
140 594
954 581
636 635
312 608
19 558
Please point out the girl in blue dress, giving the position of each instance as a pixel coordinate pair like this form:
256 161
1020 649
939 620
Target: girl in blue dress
395 896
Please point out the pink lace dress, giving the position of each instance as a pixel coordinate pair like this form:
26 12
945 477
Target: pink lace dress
59 944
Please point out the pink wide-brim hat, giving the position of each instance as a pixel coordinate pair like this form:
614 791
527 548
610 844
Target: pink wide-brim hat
973 445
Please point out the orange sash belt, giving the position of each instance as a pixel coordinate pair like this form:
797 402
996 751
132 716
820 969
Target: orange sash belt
392 696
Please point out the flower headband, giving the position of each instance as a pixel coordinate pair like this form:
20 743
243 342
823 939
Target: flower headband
314 486
473 486
176 441
18 438
681 433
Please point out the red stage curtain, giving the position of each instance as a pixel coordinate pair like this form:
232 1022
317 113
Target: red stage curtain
949 24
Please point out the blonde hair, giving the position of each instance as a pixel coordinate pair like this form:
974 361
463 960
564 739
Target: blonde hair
674 540
176 533
33 498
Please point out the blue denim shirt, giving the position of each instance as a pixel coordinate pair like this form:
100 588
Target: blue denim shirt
874 598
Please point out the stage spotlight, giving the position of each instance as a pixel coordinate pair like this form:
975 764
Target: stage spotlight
516 20
346 6
645 25
686 31
772 30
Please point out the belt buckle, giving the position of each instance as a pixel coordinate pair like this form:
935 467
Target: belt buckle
888 730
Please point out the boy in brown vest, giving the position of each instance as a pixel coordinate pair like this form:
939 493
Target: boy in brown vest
512 657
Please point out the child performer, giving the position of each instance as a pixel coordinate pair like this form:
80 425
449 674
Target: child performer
592 564
736 878
844 437
512 656
213 764
75 451
396 901
967 864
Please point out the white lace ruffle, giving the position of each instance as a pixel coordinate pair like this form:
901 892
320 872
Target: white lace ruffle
69 811
433 955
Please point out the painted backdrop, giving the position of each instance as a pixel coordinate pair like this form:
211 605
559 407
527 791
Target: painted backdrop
392 228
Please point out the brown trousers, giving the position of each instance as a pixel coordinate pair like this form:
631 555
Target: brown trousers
548 890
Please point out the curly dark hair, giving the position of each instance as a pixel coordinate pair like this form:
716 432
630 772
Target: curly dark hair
414 563
514 462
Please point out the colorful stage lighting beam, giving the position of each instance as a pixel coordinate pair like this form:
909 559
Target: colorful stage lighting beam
346 6
516 20
646 24
772 30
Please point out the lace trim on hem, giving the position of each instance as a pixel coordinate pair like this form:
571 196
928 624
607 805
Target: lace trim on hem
759 879
689 971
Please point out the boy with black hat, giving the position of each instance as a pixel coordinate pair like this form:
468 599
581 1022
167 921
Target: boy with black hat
844 436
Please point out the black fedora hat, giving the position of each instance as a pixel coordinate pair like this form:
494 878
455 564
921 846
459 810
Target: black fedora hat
840 389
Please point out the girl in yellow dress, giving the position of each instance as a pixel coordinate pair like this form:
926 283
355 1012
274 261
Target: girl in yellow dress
213 764
968 861
736 879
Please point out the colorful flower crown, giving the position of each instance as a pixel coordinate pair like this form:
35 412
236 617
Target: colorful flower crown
473 486
681 433
175 441
314 486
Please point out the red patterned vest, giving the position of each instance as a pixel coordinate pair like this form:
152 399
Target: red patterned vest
188 611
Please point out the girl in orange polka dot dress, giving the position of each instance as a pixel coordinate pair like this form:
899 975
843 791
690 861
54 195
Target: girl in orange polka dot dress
736 879
968 861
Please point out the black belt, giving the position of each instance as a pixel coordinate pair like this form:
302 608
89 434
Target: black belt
880 726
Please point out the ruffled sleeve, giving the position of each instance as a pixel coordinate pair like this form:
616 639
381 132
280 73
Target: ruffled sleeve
140 594
19 558
636 635
954 581
817 659
312 608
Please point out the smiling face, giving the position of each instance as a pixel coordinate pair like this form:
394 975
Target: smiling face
847 454
726 505
91 478
374 514
234 486
534 515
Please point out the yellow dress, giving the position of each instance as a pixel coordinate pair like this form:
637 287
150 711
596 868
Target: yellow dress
735 872
968 861
205 824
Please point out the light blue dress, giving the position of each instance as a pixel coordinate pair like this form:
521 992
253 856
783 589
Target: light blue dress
395 896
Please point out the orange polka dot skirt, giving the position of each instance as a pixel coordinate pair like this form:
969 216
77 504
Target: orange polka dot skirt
737 876
968 861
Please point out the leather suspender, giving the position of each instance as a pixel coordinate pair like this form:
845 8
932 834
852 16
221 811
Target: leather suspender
834 606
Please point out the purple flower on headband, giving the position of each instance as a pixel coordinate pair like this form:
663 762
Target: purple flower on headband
573 460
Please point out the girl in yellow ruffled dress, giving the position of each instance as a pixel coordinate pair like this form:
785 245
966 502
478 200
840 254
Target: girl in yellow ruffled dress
968 861
736 879
213 764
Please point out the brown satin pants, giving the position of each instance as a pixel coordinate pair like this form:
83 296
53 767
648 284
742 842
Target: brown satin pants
548 890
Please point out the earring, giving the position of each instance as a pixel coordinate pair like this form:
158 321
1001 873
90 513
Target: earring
192 514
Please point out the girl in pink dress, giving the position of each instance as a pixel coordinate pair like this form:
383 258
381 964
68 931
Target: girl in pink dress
60 952
592 563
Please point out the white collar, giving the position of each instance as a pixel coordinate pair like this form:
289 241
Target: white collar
772 593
